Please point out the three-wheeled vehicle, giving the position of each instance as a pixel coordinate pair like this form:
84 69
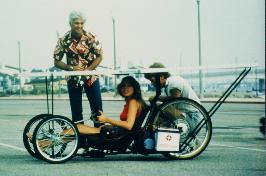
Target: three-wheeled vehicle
178 128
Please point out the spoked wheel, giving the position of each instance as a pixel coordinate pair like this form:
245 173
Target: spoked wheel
56 139
28 132
193 122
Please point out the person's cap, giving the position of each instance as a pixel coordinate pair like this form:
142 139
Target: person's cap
157 65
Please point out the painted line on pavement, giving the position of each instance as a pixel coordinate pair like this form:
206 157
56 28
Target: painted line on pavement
242 148
220 145
13 147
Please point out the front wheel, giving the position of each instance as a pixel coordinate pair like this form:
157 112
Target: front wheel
56 139
28 131
193 122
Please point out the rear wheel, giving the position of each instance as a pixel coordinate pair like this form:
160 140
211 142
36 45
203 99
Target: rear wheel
56 139
28 132
193 122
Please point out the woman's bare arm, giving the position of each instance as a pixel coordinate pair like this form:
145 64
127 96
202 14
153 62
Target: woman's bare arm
131 117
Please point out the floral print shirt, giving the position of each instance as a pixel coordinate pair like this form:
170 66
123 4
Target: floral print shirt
80 52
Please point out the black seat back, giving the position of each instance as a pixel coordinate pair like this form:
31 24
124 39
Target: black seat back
140 119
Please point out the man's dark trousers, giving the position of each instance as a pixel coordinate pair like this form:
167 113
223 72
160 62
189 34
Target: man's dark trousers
93 93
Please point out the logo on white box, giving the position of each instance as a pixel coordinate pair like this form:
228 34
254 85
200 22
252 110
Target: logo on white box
168 138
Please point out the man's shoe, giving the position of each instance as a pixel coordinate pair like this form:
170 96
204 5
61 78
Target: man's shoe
83 152
93 117
92 153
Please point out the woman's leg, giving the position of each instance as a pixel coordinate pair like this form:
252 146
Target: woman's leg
84 129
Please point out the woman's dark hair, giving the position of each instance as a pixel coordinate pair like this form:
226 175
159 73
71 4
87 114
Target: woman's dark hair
129 80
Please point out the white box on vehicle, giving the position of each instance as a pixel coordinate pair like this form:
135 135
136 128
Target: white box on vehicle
167 139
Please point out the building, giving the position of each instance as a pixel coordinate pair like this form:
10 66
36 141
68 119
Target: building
9 81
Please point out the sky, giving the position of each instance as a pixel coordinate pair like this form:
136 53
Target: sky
147 31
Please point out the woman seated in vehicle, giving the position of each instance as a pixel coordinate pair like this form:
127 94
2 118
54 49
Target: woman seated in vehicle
129 88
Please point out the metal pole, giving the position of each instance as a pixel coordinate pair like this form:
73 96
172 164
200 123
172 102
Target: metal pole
59 80
52 79
200 62
256 80
19 65
114 49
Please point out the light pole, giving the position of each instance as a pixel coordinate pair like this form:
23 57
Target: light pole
200 62
19 65
113 20
256 78
59 81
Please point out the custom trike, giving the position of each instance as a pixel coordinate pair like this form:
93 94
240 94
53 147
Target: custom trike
178 128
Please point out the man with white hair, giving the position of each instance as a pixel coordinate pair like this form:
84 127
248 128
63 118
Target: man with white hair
83 53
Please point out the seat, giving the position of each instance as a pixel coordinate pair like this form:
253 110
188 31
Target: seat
138 122
117 142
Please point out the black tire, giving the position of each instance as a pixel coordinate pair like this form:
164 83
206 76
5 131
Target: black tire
29 128
51 143
189 116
